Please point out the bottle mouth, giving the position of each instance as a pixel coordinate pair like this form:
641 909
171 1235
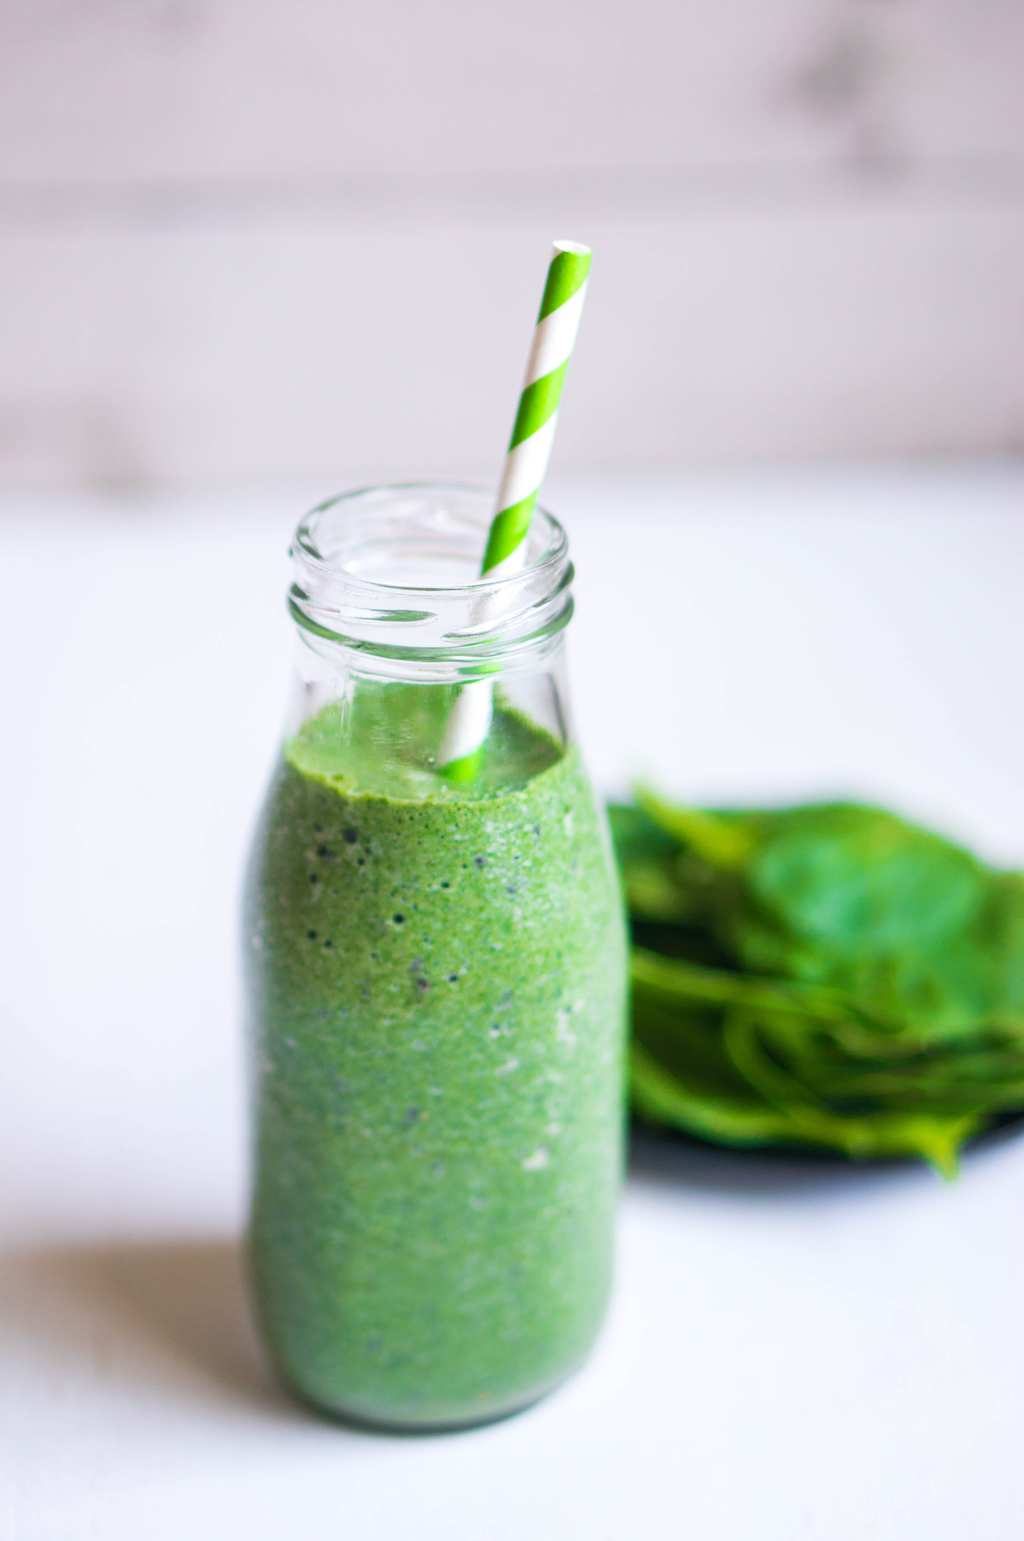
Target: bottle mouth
392 572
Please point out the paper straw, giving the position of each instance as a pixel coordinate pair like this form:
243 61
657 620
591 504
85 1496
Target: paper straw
526 463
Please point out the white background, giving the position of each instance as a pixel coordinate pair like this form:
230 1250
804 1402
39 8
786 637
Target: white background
798 1349
245 238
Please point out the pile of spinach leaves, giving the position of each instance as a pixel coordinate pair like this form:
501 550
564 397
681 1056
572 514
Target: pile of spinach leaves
827 975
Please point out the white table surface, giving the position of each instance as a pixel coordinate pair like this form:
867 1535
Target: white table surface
796 1349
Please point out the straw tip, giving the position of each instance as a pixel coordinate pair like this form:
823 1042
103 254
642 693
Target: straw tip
573 248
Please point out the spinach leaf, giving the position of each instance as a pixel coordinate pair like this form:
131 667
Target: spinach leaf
828 974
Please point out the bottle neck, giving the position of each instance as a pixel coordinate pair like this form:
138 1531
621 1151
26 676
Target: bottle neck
393 621
384 586
388 735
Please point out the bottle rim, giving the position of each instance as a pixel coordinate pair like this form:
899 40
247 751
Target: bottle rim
386 570
555 542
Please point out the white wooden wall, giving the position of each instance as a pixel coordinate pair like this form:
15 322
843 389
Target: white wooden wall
254 238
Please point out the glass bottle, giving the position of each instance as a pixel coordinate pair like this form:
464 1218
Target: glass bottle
435 982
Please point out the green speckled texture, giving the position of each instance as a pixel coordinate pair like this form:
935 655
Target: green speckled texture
436 991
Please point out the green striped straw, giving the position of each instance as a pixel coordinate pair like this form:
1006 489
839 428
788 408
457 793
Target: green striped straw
526 463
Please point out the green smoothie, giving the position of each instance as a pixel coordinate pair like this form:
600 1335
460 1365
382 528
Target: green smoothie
435 979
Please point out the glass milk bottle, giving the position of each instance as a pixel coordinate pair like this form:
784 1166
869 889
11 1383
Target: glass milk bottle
435 982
